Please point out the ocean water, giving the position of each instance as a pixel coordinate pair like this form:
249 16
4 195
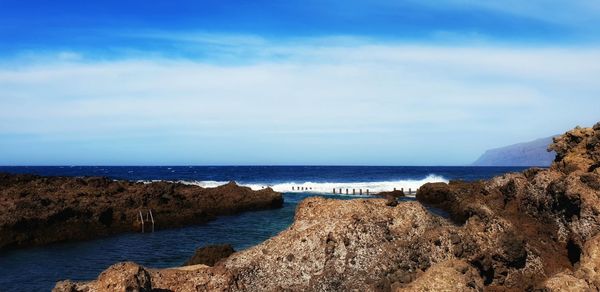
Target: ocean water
39 268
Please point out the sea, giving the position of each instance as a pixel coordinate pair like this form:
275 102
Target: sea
39 268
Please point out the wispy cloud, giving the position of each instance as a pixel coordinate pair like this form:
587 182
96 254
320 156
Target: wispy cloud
355 92
113 28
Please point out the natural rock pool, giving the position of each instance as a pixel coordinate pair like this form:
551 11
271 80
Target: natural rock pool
39 268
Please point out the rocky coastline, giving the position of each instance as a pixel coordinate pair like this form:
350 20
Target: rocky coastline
537 230
39 210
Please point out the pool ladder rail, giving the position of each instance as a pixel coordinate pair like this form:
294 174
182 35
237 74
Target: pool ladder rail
149 218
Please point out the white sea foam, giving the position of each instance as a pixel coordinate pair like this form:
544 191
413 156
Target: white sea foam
327 187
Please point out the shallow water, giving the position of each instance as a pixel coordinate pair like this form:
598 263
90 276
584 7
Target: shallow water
38 269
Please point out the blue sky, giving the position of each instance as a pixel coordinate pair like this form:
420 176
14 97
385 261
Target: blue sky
291 82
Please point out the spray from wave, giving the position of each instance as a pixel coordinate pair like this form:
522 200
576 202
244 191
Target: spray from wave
327 187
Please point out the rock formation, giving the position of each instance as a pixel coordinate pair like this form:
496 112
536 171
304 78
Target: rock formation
39 210
391 197
210 255
521 231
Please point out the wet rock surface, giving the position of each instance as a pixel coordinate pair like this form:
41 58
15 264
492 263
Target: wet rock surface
535 230
38 210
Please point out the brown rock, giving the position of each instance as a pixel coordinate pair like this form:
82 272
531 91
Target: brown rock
587 275
391 197
451 275
210 255
39 210
313 253
119 277
395 194
518 232
391 201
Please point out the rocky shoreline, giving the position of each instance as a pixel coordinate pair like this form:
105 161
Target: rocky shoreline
40 210
535 230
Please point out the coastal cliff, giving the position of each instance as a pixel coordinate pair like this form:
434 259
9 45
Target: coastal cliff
533 153
39 210
538 229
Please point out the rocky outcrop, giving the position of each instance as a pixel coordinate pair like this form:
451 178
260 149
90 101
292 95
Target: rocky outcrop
521 231
39 210
577 151
333 245
450 275
391 197
586 275
549 215
120 277
209 255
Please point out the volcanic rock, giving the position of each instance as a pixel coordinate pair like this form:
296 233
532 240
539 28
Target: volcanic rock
38 210
535 230
450 275
333 245
394 193
119 277
391 197
209 255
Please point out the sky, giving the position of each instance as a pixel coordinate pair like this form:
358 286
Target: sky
327 82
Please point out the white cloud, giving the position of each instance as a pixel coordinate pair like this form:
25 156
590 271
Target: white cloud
412 97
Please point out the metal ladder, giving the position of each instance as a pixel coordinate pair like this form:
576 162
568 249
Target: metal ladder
149 218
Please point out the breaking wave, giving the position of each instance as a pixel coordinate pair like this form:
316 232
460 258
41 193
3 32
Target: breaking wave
327 187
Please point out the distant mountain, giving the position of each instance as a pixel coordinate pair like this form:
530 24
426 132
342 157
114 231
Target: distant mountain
523 154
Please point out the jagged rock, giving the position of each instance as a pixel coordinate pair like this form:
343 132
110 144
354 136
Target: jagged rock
210 255
391 201
543 216
521 231
394 194
586 276
119 277
391 197
577 150
451 275
39 210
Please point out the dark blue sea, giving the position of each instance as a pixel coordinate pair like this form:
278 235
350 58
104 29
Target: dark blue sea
38 269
